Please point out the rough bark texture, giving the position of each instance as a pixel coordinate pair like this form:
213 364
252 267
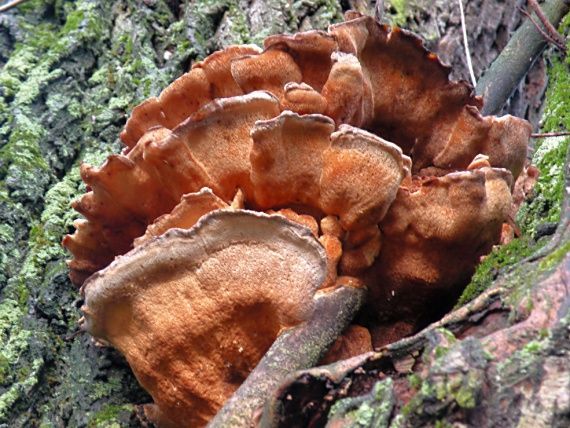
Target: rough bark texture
524 46
69 74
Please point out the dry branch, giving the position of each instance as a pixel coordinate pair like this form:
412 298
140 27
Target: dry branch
557 39
510 67
6 7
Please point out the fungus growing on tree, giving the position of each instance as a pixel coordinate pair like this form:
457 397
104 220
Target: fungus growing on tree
432 238
387 173
194 310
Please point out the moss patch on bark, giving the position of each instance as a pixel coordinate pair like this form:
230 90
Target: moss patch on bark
537 217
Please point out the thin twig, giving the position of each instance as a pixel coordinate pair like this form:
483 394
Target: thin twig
541 31
379 10
73 335
466 44
550 134
554 35
10 5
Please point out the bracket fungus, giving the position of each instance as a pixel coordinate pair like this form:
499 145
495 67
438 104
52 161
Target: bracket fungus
194 310
262 185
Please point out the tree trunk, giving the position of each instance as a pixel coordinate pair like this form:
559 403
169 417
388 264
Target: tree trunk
70 71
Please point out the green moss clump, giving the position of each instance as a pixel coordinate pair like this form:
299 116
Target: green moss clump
545 206
373 409
487 271
401 16
555 257
50 111
522 363
110 416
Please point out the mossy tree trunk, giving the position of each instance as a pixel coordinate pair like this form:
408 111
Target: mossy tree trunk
70 71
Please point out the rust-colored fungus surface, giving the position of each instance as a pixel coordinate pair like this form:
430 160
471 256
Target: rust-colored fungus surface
372 166
194 310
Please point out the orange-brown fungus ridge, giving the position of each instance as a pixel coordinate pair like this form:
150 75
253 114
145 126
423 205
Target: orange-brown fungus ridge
361 158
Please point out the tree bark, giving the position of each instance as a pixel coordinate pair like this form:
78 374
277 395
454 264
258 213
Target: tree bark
518 57
70 71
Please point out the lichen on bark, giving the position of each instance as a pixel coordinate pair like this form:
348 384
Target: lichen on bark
71 75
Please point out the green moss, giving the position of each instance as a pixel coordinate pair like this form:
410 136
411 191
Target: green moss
203 17
463 390
550 154
555 257
440 343
31 6
402 12
373 409
447 335
44 246
323 13
106 389
30 69
49 113
215 24
13 339
25 171
19 389
415 381
458 388
544 207
557 108
487 271
522 363
237 24
109 416
465 397
440 351
453 378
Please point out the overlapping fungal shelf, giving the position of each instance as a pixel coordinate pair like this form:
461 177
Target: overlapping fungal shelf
355 135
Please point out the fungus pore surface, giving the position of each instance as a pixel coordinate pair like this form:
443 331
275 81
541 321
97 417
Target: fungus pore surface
263 175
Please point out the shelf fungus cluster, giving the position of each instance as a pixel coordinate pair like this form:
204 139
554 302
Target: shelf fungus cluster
262 183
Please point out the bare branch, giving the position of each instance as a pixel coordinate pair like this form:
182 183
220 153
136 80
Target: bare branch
10 5
510 67
541 31
550 134
554 35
